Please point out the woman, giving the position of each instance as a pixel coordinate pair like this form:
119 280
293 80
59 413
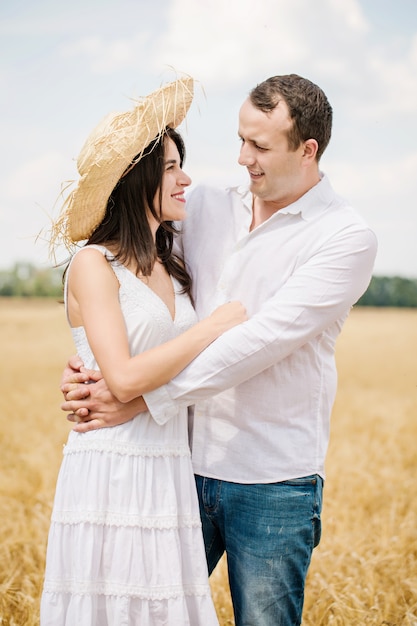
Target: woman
125 544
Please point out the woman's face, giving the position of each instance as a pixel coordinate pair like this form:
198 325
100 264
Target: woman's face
174 182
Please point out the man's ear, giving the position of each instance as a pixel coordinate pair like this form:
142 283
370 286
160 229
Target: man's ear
310 150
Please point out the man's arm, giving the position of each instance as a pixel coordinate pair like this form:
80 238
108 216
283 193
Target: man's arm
316 296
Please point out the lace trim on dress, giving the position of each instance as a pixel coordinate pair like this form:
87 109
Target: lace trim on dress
125 448
109 518
131 296
136 297
87 587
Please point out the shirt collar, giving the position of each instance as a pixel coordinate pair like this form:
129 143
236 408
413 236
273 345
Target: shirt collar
313 202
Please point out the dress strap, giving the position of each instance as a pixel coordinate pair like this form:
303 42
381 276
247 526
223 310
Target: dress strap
104 251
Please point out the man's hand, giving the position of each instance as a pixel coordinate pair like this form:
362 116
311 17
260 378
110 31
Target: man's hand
75 372
90 403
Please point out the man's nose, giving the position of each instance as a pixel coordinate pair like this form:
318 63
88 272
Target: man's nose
246 156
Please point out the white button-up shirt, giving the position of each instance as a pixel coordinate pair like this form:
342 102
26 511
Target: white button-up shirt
264 390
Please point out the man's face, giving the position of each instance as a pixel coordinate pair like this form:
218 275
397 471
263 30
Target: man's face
275 171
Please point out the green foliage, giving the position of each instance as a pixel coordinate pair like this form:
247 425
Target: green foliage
393 291
26 280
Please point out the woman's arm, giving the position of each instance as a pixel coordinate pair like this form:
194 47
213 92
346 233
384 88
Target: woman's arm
93 299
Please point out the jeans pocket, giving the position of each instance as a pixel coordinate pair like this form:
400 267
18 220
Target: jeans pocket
316 529
304 481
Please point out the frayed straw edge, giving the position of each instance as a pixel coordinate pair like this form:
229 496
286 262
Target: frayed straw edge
56 234
162 126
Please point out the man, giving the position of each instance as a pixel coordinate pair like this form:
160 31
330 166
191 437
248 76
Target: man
298 257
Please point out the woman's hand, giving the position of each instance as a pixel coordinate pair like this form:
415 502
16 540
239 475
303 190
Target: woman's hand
228 315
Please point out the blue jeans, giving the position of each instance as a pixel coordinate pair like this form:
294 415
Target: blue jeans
268 532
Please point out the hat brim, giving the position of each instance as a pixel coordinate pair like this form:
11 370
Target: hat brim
111 148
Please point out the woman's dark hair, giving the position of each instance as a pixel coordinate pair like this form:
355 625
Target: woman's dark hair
125 223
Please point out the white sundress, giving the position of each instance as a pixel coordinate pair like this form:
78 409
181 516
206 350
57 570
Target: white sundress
125 545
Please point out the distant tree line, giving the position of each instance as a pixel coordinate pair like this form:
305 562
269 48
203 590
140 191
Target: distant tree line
27 280
392 291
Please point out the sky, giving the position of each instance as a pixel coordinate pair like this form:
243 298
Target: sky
65 65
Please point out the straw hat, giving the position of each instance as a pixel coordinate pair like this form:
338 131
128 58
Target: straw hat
109 150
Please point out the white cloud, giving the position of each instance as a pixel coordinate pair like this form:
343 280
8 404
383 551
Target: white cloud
385 183
105 56
65 66
384 194
391 85
351 13
413 52
30 199
221 42
37 175
225 44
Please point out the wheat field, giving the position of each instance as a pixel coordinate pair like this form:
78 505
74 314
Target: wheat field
365 569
